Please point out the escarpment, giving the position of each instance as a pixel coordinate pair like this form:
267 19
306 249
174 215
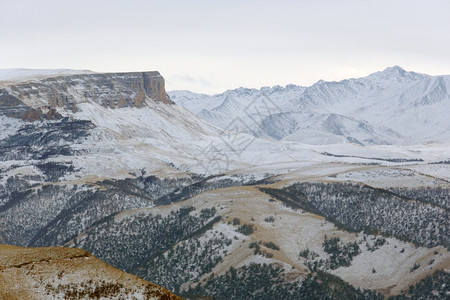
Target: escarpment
46 98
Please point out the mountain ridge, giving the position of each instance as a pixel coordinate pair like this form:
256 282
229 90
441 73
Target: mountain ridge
410 104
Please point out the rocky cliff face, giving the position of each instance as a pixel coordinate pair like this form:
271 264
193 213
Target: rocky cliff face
33 100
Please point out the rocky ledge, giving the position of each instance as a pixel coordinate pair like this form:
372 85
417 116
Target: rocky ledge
44 98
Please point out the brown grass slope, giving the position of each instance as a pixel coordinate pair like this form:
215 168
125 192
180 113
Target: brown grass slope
68 273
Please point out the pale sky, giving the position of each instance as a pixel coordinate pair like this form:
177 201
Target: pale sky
210 46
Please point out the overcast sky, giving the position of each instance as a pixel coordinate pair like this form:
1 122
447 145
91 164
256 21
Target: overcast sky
210 46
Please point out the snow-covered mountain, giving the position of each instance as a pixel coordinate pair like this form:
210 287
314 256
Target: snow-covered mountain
389 107
109 163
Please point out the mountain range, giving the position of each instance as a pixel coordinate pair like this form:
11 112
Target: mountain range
389 107
340 189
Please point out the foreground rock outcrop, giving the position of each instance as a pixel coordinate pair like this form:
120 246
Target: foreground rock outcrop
64 273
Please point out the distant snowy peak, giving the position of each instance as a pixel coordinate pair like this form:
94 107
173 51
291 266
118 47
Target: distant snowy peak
379 80
396 74
241 92
185 95
277 89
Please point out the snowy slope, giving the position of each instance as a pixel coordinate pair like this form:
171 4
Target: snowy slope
27 74
159 135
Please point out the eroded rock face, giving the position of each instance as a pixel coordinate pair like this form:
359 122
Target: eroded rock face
38 99
11 106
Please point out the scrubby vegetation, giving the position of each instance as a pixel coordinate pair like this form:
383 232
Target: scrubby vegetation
308 254
439 196
357 207
187 261
271 245
115 242
259 251
376 243
262 281
104 290
269 219
436 286
246 229
340 255
54 214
